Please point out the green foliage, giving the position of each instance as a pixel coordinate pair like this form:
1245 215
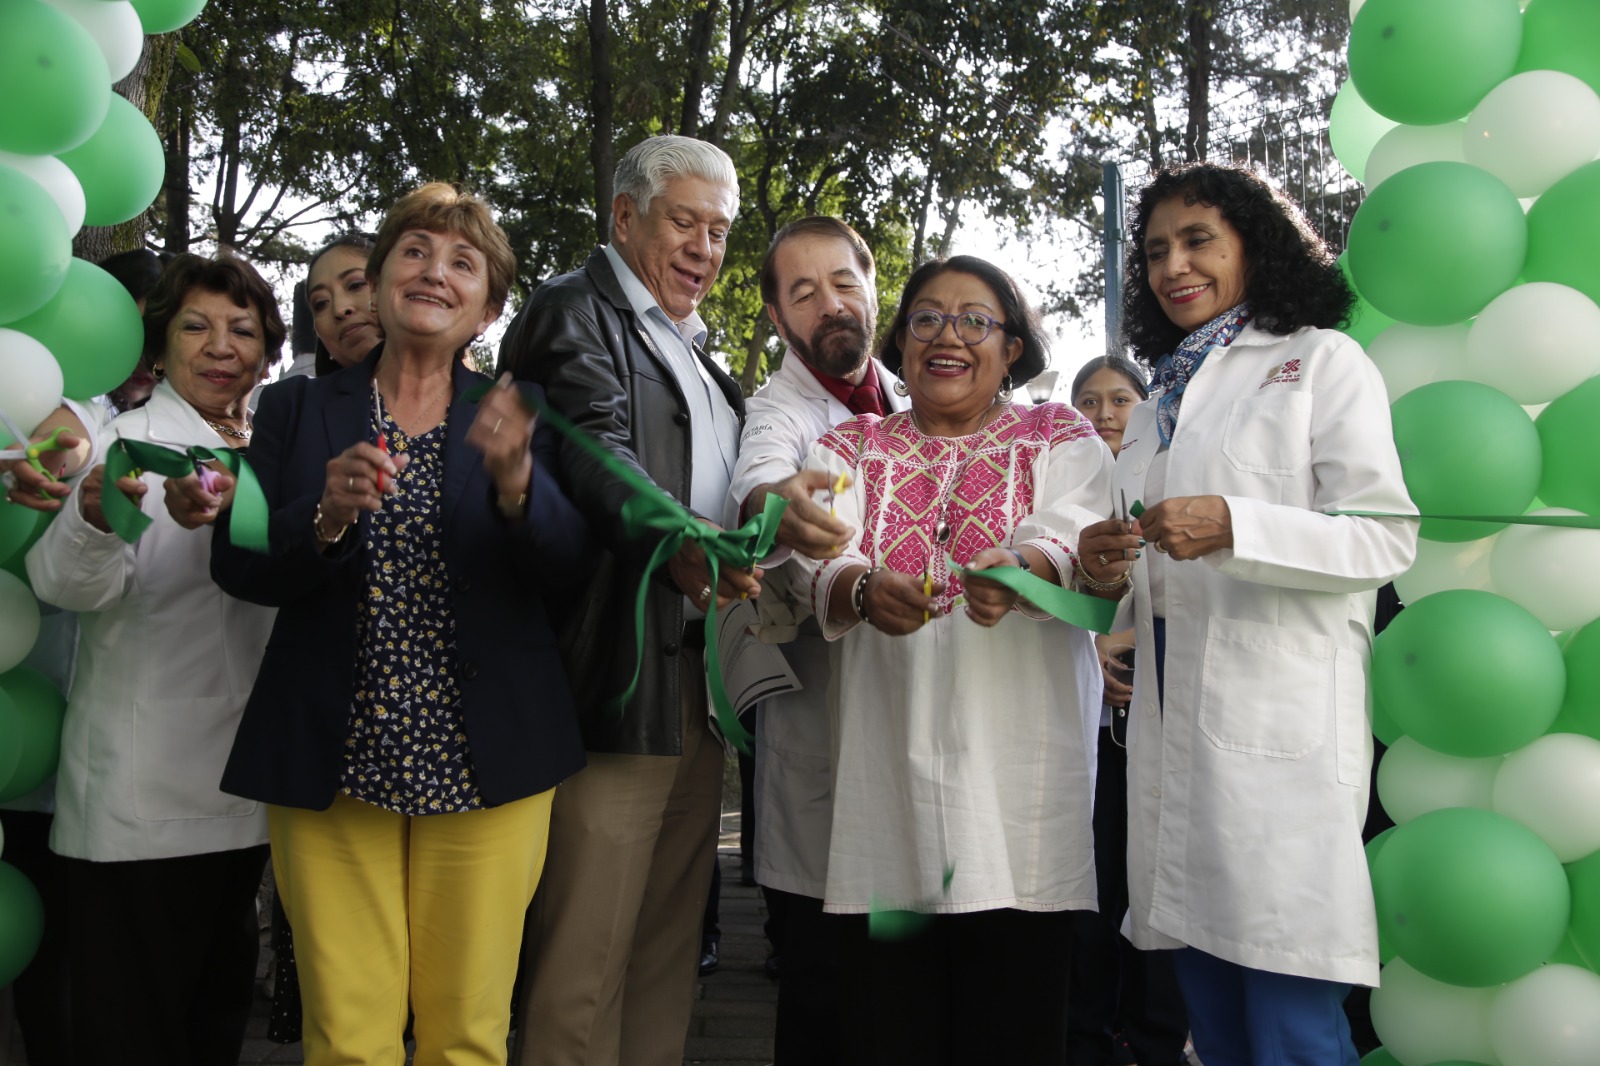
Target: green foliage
906 117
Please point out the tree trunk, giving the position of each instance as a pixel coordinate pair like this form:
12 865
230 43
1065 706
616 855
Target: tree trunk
699 53
179 195
144 87
952 219
1197 74
925 201
750 377
601 113
739 27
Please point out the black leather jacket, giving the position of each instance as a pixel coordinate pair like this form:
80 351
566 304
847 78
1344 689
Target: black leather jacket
578 337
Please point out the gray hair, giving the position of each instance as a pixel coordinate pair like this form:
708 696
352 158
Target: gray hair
643 172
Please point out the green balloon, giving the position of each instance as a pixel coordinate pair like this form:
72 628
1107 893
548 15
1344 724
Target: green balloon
1353 130
1569 438
1562 35
1385 949
1470 897
1384 727
1567 953
1580 707
1469 673
92 327
35 247
1436 242
36 707
1583 879
1379 1057
19 528
1366 321
164 16
1562 224
21 922
121 166
53 80
1427 62
1467 449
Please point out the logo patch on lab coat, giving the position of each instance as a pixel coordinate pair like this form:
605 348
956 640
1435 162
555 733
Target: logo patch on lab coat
1282 374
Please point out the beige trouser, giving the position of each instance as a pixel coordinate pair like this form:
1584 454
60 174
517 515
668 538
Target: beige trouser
614 933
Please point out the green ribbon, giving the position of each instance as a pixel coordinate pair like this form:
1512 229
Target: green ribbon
1074 608
653 511
248 523
1569 521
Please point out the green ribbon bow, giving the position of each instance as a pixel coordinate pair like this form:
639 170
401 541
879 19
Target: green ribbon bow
247 527
653 511
1074 608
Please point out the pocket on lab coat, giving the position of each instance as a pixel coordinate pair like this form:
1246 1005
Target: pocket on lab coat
1269 433
180 748
1266 690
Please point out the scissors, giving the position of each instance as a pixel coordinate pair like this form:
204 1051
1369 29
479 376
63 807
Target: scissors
31 450
840 483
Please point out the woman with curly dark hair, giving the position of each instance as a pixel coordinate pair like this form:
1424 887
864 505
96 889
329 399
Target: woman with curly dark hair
1248 745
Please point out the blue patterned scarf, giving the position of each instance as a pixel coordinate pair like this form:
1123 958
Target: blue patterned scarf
1175 370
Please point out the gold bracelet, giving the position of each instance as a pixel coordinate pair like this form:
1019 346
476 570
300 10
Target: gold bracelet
316 528
1101 586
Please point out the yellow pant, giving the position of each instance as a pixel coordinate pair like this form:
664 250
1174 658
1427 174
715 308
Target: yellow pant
390 910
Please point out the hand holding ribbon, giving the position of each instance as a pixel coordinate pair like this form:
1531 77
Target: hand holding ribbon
652 511
131 458
1074 608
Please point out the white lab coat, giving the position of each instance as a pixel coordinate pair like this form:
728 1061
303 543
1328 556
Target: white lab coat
166 661
794 797
1246 797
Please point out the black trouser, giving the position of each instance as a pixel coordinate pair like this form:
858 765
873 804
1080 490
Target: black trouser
41 992
806 941
1115 986
969 988
163 955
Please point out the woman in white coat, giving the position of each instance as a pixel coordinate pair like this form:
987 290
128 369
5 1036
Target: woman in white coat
1249 744
162 865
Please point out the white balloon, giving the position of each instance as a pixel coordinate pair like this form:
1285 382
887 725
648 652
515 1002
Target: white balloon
1410 356
19 620
1551 1017
1552 786
1414 780
1422 1021
115 27
1552 572
1355 6
55 178
1406 146
1534 342
1533 129
30 382
1440 565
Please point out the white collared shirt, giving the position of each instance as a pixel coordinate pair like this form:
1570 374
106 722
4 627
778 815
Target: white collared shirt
714 427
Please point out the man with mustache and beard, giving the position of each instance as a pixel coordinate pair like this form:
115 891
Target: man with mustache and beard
817 283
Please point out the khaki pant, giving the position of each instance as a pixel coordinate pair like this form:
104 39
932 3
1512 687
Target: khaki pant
614 934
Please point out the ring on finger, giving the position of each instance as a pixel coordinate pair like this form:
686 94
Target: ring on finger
1103 560
705 593
1158 546
350 483
496 428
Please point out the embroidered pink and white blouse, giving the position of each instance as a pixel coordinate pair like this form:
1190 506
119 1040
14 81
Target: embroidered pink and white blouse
987 487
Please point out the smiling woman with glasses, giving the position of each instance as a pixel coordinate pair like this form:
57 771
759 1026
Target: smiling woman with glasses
961 789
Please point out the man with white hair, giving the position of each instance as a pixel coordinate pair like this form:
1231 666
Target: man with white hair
614 933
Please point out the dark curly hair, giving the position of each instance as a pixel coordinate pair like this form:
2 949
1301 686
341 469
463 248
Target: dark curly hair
1021 320
1294 280
227 275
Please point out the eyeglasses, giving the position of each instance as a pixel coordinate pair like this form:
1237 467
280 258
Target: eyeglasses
971 326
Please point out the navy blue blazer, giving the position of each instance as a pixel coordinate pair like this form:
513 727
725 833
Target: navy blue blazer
521 723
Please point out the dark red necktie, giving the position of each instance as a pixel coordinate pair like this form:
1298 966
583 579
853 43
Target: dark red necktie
865 399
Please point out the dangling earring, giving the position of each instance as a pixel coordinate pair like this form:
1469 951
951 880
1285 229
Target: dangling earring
900 386
1006 389
158 371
